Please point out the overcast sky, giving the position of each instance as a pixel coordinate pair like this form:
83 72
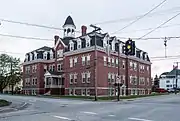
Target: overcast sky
54 12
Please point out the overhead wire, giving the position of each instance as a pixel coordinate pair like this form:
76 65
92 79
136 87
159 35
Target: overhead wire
160 26
134 17
30 24
140 17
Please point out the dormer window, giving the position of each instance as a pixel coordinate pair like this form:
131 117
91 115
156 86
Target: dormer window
35 55
71 45
141 55
113 45
51 54
59 53
31 56
88 41
26 57
45 55
145 56
79 43
106 38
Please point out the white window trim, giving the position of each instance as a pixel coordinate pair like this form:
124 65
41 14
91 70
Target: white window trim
70 62
45 55
79 45
83 76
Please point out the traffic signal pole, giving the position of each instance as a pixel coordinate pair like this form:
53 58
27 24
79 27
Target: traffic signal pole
118 96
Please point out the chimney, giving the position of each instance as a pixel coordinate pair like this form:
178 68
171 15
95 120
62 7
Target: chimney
83 30
56 37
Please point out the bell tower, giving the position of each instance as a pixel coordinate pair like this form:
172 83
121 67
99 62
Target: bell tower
69 27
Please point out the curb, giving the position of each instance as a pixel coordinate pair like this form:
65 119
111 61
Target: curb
10 109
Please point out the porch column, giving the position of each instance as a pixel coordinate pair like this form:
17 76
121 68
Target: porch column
45 79
124 91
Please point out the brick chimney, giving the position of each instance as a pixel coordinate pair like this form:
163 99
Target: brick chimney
56 37
83 30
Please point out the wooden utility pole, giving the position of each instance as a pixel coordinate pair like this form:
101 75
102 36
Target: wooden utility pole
176 76
95 59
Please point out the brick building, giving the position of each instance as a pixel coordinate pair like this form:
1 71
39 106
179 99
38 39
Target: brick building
69 67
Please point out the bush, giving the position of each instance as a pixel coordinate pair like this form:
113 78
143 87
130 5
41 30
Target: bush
4 103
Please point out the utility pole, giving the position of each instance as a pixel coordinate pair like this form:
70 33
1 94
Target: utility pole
118 83
165 44
176 76
95 61
11 76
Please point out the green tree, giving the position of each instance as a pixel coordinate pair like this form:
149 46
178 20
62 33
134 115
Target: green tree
10 71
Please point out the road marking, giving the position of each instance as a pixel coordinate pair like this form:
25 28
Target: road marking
139 119
60 117
93 113
111 115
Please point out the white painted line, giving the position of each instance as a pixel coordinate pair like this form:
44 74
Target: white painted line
60 117
139 119
93 113
111 115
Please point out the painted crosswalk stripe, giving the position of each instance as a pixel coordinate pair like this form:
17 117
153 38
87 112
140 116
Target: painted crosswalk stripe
139 119
93 113
60 117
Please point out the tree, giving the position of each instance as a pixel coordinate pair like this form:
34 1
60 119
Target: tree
10 72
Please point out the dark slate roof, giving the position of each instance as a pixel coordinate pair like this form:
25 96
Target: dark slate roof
165 73
173 72
45 48
66 40
69 21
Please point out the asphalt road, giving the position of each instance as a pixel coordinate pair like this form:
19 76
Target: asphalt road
162 108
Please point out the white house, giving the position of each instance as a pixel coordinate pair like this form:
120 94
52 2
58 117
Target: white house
167 80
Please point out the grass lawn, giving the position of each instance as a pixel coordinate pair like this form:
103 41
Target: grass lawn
4 103
104 98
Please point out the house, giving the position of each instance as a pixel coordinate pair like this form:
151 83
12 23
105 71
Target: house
167 80
68 68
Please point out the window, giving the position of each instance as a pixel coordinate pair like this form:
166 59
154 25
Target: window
71 62
27 69
123 79
87 41
59 53
34 68
75 78
59 67
105 61
167 81
71 78
112 78
113 64
109 77
75 61
83 78
35 55
51 54
88 77
135 65
27 81
88 60
142 80
109 61
45 55
71 91
83 92
87 92
71 45
31 56
123 64
147 68
116 62
131 65
83 60
79 43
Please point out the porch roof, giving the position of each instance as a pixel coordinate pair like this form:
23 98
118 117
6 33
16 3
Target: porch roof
53 74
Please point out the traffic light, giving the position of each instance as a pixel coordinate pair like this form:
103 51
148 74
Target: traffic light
130 47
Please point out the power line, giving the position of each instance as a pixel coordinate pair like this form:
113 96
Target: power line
150 38
29 24
134 17
160 25
140 17
150 28
23 37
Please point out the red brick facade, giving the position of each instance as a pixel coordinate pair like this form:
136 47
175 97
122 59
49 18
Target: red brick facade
77 70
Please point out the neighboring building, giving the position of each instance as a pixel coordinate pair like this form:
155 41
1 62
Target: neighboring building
68 67
167 80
